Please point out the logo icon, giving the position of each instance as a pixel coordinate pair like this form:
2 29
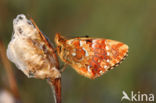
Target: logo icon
125 96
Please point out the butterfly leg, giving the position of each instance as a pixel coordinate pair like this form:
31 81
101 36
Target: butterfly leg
55 50
63 68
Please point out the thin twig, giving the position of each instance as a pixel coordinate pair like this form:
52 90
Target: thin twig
9 71
56 88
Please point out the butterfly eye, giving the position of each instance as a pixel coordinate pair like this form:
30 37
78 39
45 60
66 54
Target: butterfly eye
59 40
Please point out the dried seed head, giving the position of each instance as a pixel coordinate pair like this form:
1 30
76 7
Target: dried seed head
30 50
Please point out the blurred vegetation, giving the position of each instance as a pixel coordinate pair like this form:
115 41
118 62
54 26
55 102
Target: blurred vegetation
130 21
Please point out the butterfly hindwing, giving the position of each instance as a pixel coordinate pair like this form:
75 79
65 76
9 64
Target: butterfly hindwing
92 57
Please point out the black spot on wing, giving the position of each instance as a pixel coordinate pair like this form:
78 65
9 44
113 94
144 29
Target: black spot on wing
89 41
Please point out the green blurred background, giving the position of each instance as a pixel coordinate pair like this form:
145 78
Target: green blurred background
130 21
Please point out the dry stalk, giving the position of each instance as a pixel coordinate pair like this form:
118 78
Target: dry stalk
9 71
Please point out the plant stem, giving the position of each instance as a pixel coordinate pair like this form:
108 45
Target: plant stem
55 84
9 71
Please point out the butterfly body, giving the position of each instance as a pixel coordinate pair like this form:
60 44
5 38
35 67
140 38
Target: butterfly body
91 57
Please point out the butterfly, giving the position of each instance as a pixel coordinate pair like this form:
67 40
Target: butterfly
31 51
90 57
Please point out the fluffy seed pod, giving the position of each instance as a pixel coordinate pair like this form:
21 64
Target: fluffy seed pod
31 51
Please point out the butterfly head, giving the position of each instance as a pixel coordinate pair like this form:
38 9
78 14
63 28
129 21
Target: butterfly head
60 42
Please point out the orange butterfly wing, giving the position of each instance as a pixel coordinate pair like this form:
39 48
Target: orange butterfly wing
92 57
